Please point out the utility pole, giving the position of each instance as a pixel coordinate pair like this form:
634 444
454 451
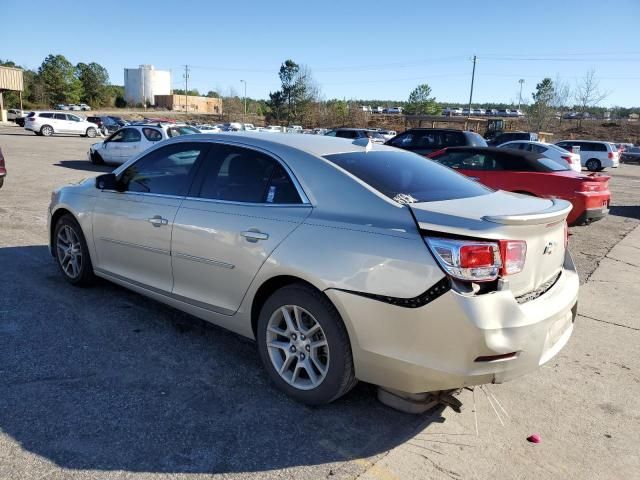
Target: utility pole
186 88
521 82
473 76
245 100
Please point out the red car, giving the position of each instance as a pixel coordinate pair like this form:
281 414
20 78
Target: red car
532 174
3 170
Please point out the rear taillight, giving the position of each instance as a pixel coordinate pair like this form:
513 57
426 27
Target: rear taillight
478 261
613 155
592 186
567 158
513 253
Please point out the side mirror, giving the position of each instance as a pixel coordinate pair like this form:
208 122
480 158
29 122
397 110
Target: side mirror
108 181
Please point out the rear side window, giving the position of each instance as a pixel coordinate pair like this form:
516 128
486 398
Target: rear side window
593 147
46 115
152 134
346 134
237 174
406 177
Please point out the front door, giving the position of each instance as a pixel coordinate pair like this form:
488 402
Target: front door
132 228
60 123
243 204
75 124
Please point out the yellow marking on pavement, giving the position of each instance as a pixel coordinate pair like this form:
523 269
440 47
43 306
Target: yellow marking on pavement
374 469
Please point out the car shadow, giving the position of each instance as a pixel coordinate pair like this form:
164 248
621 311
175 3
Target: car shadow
85 165
628 211
102 378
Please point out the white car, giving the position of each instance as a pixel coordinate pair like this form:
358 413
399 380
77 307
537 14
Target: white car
131 140
84 106
249 127
549 150
49 123
74 107
14 113
295 129
274 129
387 134
208 129
594 155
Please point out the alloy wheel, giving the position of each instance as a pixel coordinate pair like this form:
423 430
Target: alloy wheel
69 251
47 131
297 347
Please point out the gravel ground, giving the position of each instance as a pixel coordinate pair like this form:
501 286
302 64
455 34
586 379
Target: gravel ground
104 383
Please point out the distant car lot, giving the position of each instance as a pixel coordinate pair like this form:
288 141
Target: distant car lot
103 380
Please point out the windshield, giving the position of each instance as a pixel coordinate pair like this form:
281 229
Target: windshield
407 177
374 134
551 165
475 140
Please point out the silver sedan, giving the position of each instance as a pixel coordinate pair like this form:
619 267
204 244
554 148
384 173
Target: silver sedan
344 260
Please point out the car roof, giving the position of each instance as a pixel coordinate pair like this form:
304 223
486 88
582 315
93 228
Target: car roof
319 145
437 129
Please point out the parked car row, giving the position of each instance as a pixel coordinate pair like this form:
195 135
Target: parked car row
72 106
50 123
481 112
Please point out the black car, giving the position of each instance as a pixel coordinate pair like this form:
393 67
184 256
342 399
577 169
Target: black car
106 124
427 140
374 135
512 136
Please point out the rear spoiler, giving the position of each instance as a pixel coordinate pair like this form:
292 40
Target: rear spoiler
557 212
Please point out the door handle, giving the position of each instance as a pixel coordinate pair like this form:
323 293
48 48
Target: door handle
254 235
157 221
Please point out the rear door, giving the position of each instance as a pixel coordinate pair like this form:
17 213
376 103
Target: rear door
244 202
75 124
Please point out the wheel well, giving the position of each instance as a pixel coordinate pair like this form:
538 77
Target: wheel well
54 220
522 192
47 125
266 290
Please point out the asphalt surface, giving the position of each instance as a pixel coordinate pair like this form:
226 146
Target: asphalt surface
104 383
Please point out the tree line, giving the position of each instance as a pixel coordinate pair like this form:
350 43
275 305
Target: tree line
57 80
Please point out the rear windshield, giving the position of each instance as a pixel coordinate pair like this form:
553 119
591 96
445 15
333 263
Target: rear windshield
476 140
551 165
407 177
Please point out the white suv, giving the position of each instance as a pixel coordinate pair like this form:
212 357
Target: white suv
131 140
48 123
594 155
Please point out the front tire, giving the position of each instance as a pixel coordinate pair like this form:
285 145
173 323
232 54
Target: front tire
72 254
91 132
593 165
46 130
97 159
304 345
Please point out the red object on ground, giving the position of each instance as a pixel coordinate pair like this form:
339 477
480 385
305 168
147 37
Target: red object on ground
535 438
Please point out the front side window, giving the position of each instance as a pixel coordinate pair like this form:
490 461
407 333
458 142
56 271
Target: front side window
130 135
166 171
401 174
237 174
73 118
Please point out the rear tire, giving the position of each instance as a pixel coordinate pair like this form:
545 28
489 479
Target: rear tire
72 253
46 130
593 165
91 132
317 368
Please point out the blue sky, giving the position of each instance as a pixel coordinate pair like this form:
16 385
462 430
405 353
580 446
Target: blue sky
355 49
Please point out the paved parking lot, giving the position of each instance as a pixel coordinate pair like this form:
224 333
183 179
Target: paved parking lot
104 383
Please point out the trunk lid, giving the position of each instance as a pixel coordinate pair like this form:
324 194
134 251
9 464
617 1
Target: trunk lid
505 216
